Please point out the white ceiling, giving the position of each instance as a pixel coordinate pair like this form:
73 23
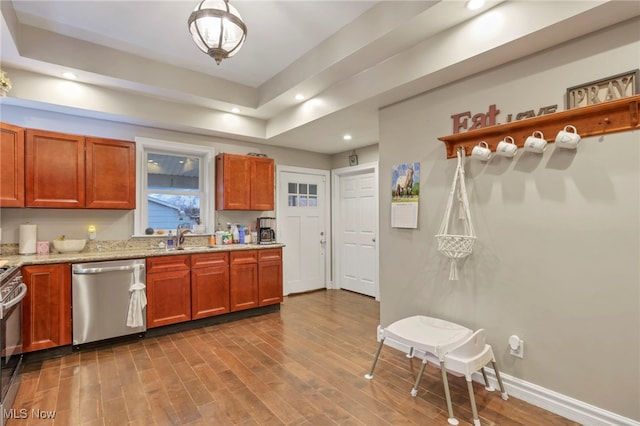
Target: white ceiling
348 57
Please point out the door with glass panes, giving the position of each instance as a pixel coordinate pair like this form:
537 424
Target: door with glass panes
301 227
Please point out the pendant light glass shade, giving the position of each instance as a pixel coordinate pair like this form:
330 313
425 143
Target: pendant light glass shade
217 29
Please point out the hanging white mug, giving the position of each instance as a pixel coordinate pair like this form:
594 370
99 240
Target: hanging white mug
535 143
481 151
507 147
568 139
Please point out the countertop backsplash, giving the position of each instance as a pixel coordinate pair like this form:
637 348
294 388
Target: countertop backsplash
135 243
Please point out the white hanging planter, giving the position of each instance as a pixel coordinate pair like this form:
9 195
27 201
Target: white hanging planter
457 246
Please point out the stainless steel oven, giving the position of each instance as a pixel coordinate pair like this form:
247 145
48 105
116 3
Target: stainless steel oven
12 291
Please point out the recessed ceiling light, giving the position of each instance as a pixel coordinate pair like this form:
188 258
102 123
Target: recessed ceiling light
347 137
299 97
235 110
69 75
474 4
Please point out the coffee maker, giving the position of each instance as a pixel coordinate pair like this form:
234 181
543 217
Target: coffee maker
266 230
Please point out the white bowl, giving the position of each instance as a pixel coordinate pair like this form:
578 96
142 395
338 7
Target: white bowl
69 246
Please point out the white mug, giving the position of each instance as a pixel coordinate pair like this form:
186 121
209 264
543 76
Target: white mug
507 147
567 139
481 151
535 143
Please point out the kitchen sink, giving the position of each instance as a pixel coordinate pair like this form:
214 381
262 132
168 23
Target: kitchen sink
193 248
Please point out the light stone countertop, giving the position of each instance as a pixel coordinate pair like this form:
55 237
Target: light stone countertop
96 256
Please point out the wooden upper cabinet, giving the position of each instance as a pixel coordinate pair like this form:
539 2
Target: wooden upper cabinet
233 180
54 170
110 174
262 175
244 182
11 166
74 171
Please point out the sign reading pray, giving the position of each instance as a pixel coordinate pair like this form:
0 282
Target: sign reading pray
615 87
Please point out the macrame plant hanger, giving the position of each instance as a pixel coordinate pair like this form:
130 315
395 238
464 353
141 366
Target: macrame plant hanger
457 245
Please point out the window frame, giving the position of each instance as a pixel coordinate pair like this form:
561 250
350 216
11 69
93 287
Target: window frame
207 174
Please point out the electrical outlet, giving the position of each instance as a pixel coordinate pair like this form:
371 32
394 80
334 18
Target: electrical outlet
519 351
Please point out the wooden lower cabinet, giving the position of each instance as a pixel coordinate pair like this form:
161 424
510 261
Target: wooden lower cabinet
243 281
168 290
209 284
180 288
269 276
46 314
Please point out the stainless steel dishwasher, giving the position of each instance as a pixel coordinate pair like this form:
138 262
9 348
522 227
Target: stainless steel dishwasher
109 300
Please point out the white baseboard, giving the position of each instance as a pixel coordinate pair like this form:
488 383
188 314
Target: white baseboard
562 405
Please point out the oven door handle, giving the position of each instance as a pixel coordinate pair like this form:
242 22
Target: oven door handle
17 299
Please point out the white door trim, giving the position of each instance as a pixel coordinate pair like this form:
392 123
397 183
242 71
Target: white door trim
336 174
327 209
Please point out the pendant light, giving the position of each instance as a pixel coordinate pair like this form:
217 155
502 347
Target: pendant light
217 29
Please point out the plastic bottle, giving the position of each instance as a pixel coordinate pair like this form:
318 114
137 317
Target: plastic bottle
170 241
240 234
235 234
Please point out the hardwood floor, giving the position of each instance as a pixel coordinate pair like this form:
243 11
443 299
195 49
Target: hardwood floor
303 365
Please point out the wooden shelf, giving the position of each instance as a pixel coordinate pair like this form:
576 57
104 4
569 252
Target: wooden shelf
608 117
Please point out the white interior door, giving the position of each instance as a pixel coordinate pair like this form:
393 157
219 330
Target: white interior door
302 213
355 216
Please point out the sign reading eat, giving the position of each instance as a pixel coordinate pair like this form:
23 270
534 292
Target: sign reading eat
465 121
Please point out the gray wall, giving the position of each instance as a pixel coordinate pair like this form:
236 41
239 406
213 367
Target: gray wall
117 224
367 154
556 259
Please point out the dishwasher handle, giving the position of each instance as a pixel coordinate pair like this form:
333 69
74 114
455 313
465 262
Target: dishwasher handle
90 271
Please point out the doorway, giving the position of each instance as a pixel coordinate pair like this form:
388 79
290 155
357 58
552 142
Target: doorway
302 217
355 228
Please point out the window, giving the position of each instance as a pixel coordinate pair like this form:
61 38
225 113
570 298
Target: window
302 195
173 182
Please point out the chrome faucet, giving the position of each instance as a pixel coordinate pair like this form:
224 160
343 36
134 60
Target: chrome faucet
180 232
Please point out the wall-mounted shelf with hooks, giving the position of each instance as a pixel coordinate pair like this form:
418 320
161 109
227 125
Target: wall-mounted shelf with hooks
600 119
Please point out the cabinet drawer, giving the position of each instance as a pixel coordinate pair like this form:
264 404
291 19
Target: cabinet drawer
167 263
269 255
244 256
207 260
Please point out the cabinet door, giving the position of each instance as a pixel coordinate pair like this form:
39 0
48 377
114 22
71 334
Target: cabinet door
110 174
243 286
168 298
243 282
262 186
209 292
233 182
46 314
270 276
54 169
11 166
